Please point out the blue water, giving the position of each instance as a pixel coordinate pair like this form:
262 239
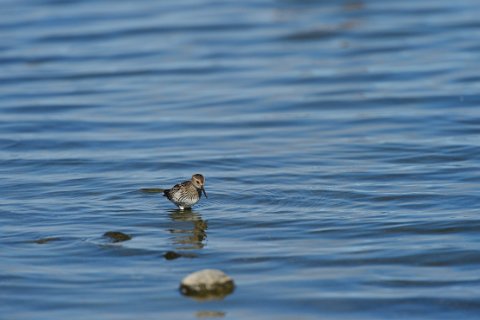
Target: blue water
340 141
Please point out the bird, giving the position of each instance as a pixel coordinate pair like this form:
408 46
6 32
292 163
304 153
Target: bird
184 195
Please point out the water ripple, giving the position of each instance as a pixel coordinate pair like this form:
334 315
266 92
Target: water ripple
339 141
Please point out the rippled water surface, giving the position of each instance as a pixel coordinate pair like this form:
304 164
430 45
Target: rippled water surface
340 141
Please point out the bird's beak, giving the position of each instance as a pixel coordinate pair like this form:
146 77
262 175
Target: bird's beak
204 192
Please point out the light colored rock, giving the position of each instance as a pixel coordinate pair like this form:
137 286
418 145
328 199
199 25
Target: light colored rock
208 283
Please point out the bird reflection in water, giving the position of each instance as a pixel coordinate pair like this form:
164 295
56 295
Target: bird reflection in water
188 230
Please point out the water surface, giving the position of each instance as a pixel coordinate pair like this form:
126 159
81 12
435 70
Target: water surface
339 141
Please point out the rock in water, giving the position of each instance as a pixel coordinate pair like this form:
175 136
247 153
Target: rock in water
208 283
171 255
117 236
46 240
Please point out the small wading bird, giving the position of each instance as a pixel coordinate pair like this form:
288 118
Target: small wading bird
184 195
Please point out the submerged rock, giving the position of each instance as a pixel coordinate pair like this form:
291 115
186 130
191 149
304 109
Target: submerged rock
117 236
46 240
210 314
171 255
152 190
207 283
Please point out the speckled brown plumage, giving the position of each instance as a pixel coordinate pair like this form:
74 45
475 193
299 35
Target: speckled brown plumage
184 195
